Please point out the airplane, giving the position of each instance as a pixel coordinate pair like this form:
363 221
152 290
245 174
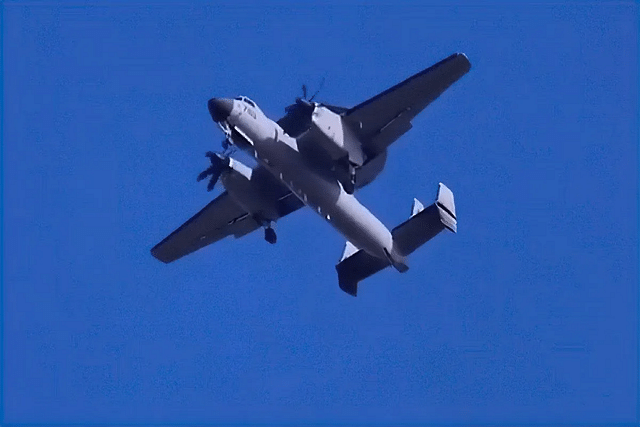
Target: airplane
318 155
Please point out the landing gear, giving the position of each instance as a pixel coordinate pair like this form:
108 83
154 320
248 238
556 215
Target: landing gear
269 232
352 178
349 184
270 235
346 174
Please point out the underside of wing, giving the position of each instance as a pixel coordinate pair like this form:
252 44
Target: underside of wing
219 219
267 198
382 119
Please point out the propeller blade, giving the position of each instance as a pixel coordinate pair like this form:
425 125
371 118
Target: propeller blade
318 91
218 162
304 91
205 173
215 175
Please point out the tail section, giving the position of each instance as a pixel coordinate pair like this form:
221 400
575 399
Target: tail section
423 225
426 223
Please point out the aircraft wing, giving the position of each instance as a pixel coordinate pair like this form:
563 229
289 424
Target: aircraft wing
382 119
219 219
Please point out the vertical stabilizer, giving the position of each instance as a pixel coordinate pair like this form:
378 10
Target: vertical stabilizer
447 207
349 249
417 207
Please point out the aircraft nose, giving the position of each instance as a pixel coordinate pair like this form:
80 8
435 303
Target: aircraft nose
220 108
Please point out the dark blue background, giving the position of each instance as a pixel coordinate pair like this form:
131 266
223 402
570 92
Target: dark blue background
528 314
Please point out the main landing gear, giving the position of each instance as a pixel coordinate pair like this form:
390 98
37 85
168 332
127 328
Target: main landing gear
269 233
352 180
345 172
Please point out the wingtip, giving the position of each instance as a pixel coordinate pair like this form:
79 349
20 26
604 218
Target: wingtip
154 253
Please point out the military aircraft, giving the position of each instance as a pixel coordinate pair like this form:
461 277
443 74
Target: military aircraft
318 155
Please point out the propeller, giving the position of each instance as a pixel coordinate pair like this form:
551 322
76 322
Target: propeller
218 163
304 100
305 105
304 90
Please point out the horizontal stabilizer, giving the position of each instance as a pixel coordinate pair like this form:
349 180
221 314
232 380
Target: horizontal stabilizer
357 267
424 226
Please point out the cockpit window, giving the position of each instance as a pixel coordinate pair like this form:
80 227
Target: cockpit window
247 100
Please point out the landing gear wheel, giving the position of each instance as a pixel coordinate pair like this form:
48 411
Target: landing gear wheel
270 235
350 186
350 182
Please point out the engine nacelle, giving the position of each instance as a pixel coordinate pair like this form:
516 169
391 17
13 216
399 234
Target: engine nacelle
335 136
252 189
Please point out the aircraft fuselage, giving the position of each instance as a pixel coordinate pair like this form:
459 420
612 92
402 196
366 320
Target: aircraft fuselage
278 152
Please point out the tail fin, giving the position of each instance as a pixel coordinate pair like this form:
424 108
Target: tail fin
417 207
423 225
447 208
349 249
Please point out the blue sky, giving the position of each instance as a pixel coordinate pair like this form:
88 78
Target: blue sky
528 314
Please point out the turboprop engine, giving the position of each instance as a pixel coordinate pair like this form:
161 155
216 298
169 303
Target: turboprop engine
335 136
256 190
332 136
